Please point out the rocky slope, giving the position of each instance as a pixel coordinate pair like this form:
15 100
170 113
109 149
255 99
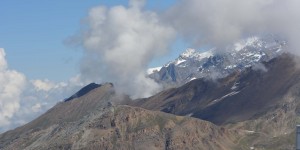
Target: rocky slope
92 121
263 100
255 108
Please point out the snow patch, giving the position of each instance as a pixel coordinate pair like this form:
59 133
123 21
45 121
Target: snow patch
206 54
230 66
279 50
223 97
179 61
193 78
192 53
249 131
189 115
188 53
152 70
244 43
235 86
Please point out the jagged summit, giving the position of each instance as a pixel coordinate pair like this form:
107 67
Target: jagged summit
188 52
192 53
193 64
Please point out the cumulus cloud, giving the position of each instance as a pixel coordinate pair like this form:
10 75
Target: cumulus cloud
41 95
42 85
22 100
11 86
120 41
219 22
3 63
119 44
137 3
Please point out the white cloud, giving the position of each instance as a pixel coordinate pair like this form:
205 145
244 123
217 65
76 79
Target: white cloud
120 41
41 95
3 63
42 85
219 22
36 107
119 44
11 86
22 100
138 4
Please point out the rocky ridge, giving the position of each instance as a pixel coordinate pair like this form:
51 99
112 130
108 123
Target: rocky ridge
264 102
218 62
97 120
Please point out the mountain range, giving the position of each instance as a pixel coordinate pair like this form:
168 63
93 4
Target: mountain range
218 62
246 98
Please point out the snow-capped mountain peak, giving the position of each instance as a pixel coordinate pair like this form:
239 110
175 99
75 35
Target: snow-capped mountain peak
188 53
192 53
193 64
206 54
247 42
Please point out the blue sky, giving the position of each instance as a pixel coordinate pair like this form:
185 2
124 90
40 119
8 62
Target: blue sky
32 32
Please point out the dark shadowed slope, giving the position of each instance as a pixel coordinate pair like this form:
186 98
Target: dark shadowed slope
264 102
239 97
260 92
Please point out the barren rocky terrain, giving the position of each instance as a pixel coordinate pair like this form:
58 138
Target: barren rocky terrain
252 109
